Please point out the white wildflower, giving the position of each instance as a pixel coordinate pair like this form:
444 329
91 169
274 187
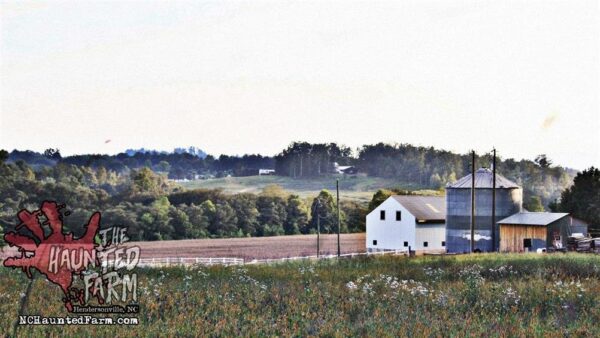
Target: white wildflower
351 285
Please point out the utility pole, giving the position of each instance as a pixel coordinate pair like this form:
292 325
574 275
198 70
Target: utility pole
317 214
473 201
318 233
337 188
494 202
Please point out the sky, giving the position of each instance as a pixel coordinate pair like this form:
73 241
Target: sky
252 76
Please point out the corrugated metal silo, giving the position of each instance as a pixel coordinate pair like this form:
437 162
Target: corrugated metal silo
509 200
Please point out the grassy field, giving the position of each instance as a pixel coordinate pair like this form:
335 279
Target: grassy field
352 188
472 295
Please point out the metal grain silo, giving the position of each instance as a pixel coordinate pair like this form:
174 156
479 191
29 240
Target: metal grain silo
509 200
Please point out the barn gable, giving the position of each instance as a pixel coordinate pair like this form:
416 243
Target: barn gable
403 222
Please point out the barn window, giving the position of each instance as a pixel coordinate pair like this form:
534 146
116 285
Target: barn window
398 215
405 244
425 244
374 242
443 243
527 242
382 215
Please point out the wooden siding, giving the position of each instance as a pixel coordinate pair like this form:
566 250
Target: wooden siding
512 236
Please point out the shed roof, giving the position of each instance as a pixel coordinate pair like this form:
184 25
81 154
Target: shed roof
424 208
484 179
533 218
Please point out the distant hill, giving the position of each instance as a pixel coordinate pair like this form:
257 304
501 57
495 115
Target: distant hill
190 150
32 158
424 167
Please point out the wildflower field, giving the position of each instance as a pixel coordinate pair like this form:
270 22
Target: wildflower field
471 295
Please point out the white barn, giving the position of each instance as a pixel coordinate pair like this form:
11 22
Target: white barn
403 222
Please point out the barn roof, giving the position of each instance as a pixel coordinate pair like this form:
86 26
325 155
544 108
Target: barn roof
424 208
484 179
533 218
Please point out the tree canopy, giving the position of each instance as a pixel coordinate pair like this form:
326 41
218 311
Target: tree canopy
582 199
136 188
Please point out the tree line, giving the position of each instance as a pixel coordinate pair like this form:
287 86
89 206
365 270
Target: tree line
152 208
155 208
411 166
177 165
582 199
425 167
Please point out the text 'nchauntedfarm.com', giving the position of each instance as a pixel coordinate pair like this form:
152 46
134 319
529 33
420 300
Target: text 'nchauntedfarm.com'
77 320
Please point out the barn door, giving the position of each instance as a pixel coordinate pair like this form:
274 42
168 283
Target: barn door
527 244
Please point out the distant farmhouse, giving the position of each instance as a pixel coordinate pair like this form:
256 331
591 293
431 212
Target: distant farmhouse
434 224
266 172
403 222
344 169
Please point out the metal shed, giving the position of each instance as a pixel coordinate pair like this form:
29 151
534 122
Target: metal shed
529 231
579 226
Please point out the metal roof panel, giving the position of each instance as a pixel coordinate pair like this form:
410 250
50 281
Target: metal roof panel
424 208
483 179
533 218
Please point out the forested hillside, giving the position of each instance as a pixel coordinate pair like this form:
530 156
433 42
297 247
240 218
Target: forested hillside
134 189
152 208
177 164
424 166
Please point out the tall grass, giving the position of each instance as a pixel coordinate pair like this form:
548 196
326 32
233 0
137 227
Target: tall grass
474 295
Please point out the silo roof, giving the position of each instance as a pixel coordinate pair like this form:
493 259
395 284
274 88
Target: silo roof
424 208
484 179
533 218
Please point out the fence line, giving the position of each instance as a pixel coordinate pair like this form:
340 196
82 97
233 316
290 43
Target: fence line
226 261
168 261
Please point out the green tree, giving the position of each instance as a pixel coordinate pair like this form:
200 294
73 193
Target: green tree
225 221
160 225
274 190
180 222
163 166
101 175
297 215
208 209
356 214
435 181
161 206
272 215
146 183
323 207
124 214
273 230
3 156
53 154
543 161
378 198
582 199
201 217
194 214
247 213
534 203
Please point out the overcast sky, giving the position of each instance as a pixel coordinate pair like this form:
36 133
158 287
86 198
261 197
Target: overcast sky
250 77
